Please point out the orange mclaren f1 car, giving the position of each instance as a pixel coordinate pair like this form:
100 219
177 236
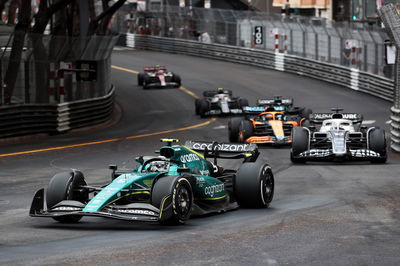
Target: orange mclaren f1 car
267 127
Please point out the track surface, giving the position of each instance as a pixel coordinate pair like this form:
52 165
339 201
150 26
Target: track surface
322 213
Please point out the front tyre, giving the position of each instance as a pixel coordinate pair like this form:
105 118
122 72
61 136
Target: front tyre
300 139
140 79
64 186
173 195
204 108
254 185
377 143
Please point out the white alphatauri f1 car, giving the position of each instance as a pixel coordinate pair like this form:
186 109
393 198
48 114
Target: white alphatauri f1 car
338 137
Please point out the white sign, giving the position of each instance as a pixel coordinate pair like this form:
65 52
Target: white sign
65 65
258 35
390 54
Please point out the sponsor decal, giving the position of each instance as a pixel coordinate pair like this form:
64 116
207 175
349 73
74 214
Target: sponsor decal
222 147
321 116
211 190
143 212
187 158
254 108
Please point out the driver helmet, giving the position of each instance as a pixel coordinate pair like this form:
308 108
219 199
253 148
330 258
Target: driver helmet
269 116
220 90
159 166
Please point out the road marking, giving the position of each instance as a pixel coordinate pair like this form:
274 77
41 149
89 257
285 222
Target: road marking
110 140
389 121
219 127
368 122
194 95
191 93
125 69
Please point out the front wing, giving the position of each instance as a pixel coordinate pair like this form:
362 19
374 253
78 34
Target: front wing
141 212
328 154
269 140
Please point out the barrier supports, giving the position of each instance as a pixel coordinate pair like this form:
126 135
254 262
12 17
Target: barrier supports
52 83
391 20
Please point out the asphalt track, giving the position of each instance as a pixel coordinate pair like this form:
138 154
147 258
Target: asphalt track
322 213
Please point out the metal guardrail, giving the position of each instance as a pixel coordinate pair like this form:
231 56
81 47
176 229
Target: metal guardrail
351 78
354 79
27 119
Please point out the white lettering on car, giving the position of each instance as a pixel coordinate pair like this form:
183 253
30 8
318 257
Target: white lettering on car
211 190
187 158
221 147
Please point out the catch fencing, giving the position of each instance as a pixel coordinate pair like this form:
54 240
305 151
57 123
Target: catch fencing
355 45
62 83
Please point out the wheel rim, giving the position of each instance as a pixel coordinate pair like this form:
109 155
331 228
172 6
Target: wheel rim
183 201
266 189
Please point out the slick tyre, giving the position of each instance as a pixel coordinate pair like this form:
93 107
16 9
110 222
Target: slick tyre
300 138
204 107
233 128
197 106
254 185
173 195
305 113
63 186
140 79
245 130
177 80
243 102
377 143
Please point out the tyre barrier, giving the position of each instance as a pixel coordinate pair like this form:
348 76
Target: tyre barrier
351 78
28 119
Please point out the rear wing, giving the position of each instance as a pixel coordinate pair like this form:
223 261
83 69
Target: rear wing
275 101
318 118
154 69
225 150
253 110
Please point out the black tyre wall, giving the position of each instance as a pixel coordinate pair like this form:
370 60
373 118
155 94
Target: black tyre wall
247 185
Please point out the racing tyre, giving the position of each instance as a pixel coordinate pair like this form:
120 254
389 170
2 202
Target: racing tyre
254 185
197 106
177 79
306 113
377 143
146 80
174 197
63 186
300 138
140 79
233 128
243 102
245 130
204 107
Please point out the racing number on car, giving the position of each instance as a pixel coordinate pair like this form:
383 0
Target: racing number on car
258 35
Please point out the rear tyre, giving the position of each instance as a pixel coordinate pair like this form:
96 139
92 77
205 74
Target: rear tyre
300 138
377 143
254 185
174 197
245 130
140 79
63 187
305 113
204 107
243 102
197 106
233 128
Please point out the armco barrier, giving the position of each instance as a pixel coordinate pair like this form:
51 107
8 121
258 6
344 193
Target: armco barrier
27 119
354 79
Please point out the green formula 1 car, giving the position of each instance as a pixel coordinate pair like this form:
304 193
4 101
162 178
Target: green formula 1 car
168 188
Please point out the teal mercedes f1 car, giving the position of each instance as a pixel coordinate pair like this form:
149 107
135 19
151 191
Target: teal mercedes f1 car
169 188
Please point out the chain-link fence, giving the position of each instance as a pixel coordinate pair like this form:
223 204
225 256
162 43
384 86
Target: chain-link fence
353 45
56 69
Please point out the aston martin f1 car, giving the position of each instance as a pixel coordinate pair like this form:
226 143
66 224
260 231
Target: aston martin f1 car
169 188
339 137
264 127
159 77
219 102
